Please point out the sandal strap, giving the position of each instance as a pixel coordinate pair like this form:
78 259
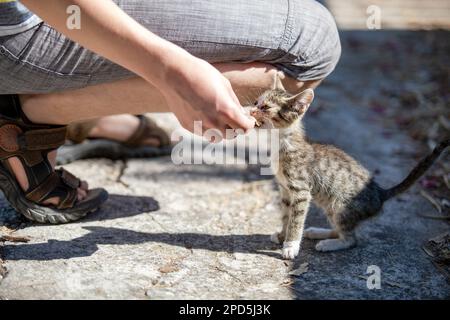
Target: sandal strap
17 132
22 138
79 131
42 139
41 191
61 184
68 178
14 139
31 143
70 199
139 134
147 129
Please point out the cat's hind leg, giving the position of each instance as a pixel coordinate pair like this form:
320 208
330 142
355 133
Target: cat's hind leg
320 233
344 222
343 242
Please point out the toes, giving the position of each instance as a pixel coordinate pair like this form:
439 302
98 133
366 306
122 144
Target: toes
54 201
328 245
289 254
84 185
322 246
81 194
290 249
51 201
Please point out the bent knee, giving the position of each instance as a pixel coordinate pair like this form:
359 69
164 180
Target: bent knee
313 48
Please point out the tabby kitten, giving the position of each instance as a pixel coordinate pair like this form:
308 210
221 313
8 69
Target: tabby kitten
309 171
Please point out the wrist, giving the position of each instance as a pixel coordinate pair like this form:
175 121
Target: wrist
170 63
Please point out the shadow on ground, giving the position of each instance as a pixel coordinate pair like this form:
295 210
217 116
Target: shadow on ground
122 206
117 206
87 245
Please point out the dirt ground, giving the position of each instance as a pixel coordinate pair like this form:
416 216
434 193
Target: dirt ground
198 231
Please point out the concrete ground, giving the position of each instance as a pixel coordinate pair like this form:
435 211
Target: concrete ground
202 231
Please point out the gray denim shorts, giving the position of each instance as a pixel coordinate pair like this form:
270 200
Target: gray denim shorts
299 37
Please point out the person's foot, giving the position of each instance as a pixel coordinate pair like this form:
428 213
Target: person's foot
120 128
19 172
27 163
115 137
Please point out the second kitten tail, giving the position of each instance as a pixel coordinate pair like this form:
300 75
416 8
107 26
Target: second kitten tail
418 171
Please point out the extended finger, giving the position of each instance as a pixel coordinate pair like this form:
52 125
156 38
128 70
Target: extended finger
236 118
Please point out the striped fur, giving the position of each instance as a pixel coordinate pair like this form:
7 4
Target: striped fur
335 181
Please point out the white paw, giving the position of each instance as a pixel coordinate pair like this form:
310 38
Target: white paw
275 238
324 246
334 244
290 249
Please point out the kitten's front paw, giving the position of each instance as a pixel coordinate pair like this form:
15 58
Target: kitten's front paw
290 249
275 238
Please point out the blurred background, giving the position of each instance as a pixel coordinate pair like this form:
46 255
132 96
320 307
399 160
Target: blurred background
388 104
396 14
403 49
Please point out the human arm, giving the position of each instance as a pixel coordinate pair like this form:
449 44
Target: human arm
194 90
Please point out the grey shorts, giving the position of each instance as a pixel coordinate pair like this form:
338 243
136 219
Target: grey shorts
299 37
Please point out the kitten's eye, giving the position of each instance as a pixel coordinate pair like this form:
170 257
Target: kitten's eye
265 107
256 103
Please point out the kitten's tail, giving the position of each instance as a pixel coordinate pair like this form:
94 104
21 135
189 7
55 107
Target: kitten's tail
418 171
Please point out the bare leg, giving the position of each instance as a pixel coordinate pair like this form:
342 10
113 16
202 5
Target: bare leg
120 128
136 96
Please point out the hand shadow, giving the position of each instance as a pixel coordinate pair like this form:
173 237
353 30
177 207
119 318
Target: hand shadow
87 244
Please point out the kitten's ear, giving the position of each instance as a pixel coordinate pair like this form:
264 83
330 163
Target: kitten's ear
302 100
277 84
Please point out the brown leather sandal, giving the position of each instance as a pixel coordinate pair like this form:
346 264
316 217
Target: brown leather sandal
85 148
31 143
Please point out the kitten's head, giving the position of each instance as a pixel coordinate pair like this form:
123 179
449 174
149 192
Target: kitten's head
277 108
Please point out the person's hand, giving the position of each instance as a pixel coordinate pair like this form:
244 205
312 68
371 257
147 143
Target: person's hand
196 91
